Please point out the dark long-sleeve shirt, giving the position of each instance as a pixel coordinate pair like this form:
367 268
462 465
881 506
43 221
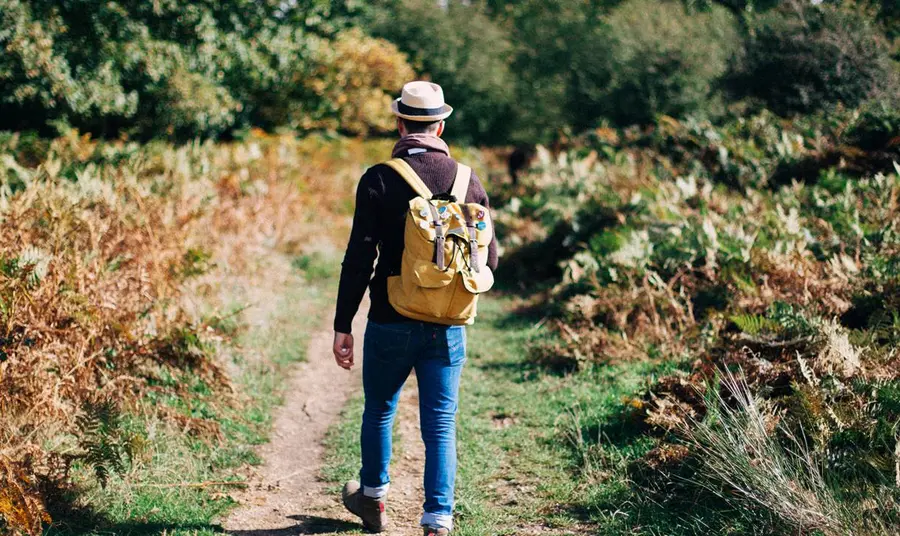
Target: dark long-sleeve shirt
382 201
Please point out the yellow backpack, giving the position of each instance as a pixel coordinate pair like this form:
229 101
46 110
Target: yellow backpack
445 253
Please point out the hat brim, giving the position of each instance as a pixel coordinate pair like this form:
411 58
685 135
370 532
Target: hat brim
445 113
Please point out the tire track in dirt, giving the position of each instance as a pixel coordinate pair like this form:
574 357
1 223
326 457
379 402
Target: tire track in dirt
286 495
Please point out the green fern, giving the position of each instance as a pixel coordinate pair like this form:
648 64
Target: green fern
106 448
754 324
793 322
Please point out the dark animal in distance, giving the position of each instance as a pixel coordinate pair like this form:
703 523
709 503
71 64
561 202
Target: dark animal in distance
520 160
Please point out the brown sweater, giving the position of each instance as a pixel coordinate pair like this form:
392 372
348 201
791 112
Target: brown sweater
382 201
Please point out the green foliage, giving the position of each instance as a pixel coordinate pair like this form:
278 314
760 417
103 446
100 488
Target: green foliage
315 266
877 127
744 6
547 35
791 320
172 68
524 71
107 448
807 59
196 261
753 324
650 58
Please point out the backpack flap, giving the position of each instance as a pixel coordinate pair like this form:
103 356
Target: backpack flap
421 216
477 276
478 282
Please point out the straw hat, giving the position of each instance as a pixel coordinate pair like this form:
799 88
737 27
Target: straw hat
421 101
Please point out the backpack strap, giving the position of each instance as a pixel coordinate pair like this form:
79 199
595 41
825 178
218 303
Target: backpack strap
439 237
461 184
473 238
400 166
460 188
409 175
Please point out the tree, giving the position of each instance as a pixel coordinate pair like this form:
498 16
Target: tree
465 52
170 68
803 59
649 58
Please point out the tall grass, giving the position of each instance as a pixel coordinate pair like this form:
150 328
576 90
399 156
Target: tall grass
749 455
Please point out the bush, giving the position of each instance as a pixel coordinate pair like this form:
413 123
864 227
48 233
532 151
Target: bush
345 84
546 36
363 76
107 252
660 265
651 58
877 127
184 105
803 60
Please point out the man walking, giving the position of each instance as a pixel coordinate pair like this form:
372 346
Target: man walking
395 345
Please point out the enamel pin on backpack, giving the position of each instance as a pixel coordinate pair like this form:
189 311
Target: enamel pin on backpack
444 264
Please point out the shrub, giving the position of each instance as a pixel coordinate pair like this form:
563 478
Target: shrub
658 263
877 127
184 105
651 58
359 77
803 60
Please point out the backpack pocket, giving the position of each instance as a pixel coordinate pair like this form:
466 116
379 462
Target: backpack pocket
422 291
461 308
426 274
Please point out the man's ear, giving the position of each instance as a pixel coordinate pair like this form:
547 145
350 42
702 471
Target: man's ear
401 128
440 129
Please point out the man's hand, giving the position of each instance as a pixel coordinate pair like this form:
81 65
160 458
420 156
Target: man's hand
343 350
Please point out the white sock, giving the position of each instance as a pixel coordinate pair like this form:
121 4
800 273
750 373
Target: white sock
437 520
376 493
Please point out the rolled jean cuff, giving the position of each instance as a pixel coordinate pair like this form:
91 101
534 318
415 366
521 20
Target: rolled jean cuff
376 493
437 520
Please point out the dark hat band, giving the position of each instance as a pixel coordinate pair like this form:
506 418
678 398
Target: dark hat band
422 112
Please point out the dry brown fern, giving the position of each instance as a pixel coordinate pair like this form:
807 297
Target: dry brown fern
100 245
21 508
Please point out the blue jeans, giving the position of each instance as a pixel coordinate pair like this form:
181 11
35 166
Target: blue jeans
437 353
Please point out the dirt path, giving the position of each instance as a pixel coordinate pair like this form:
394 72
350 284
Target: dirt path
287 497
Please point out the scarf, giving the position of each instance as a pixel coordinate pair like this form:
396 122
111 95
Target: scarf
419 143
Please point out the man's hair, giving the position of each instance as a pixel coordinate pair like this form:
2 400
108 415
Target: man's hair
420 127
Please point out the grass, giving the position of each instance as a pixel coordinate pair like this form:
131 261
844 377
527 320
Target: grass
663 264
167 489
521 453
342 445
549 453
525 431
